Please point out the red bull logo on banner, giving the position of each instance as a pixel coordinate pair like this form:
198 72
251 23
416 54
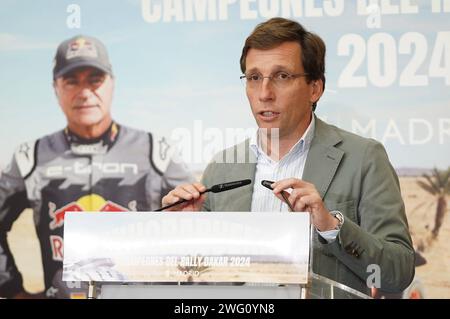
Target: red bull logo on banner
92 202
57 243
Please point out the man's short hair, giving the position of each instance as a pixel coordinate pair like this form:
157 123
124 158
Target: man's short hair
274 32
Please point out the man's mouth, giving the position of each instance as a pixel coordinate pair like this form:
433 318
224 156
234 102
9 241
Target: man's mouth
268 115
83 107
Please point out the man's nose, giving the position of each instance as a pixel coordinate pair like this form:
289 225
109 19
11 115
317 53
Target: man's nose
85 91
266 91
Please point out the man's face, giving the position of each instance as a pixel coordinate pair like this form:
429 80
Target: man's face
85 96
286 105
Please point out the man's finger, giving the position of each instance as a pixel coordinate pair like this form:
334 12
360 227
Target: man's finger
170 198
297 193
182 193
200 187
299 205
286 184
191 189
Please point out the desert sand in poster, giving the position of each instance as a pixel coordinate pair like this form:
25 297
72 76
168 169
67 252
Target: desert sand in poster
265 272
420 208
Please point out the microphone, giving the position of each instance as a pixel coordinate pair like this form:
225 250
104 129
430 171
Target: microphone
230 185
215 189
268 184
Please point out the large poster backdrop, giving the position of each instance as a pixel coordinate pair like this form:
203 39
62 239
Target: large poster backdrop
177 72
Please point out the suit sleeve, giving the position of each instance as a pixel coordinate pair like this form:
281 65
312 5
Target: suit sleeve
13 200
382 236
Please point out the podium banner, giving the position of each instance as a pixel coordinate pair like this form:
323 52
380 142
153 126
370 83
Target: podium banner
187 247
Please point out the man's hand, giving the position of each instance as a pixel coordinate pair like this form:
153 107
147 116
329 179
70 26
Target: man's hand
189 192
305 198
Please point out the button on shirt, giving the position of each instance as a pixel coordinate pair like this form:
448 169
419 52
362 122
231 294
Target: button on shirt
290 166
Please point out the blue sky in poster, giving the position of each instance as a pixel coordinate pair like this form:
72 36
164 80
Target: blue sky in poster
172 75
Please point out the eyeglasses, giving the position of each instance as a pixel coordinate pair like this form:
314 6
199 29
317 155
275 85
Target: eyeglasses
279 79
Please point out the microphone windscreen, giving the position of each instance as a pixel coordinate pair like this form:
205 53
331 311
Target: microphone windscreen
231 185
267 184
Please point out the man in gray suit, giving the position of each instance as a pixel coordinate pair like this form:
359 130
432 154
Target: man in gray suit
344 181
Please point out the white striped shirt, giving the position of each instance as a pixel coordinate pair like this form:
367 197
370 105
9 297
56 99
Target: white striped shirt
290 166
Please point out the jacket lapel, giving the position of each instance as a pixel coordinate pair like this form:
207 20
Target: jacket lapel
323 157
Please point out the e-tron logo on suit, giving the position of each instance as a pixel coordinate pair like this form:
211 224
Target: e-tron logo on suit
80 168
92 202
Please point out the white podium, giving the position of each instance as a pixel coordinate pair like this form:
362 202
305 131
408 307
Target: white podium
194 256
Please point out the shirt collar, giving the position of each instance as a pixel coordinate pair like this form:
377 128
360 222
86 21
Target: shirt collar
99 145
302 145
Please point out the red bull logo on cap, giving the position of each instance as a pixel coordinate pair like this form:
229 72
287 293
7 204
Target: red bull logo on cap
81 47
92 202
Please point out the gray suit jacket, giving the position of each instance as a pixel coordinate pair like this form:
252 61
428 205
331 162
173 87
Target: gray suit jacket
353 175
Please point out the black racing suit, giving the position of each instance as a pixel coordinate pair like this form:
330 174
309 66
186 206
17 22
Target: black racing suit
123 170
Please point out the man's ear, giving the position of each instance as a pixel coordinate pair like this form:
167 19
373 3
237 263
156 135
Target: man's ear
317 90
